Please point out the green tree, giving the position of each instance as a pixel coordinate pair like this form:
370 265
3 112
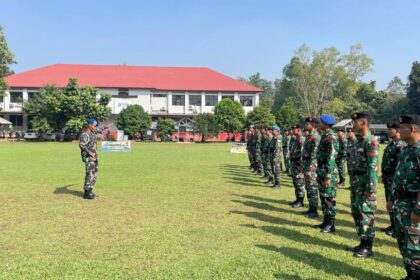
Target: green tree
206 124
413 90
230 115
7 58
133 119
165 127
67 108
286 116
395 86
260 116
313 80
267 96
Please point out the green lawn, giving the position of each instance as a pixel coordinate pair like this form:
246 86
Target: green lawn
167 211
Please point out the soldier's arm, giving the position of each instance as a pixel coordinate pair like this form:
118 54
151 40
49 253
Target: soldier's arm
372 166
83 141
332 146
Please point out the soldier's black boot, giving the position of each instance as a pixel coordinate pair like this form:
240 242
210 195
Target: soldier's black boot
313 213
356 248
321 225
329 227
298 203
276 186
269 182
365 250
88 194
291 203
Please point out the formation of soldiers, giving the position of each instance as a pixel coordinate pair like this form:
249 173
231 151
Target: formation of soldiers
315 155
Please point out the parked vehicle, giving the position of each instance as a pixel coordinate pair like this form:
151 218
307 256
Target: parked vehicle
31 135
49 136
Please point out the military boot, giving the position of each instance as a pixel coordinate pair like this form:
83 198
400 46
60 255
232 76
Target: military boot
276 186
354 249
88 194
365 250
298 203
312 214
323 224
329 226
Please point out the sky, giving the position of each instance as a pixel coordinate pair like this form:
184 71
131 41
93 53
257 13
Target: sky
235 37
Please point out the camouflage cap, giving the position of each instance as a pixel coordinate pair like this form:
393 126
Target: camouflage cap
393 125
409 119
312 120
361 115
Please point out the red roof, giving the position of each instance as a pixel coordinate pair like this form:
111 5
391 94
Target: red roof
122 76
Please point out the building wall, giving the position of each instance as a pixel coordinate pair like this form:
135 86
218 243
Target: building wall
156 103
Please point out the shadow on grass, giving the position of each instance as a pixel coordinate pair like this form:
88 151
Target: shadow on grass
66 190
285 276
320 262
297 236
341 224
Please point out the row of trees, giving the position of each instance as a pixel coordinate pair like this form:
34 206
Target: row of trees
327 81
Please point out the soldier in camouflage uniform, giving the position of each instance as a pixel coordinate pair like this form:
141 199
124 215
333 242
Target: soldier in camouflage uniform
263 153
88 149
327 172
291 143
363 182
350 152
310 150
296 166
406 196
340 155
276 156
250 147
389 164
257 152
266 150
266 154
286 153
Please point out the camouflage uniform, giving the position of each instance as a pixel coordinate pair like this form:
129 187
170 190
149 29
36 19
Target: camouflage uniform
250 148
257 153
276 158
388 167
286 152
340 159
88 145
310 150
405 190
266 157
364 179
327 169
349 154
291 143
297 167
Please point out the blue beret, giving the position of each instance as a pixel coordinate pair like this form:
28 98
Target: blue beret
92 121
275 127
327 119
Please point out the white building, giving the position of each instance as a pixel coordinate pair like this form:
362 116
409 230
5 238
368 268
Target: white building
162 91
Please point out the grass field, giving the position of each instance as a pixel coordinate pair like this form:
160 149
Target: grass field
167 211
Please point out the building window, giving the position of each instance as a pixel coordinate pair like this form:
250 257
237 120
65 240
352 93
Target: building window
178 100
211 100
16 120
16 97
123 92
195 100
246 101
1 99
228 96
159 95
31 95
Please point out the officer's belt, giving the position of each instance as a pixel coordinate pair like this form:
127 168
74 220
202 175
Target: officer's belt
407 195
